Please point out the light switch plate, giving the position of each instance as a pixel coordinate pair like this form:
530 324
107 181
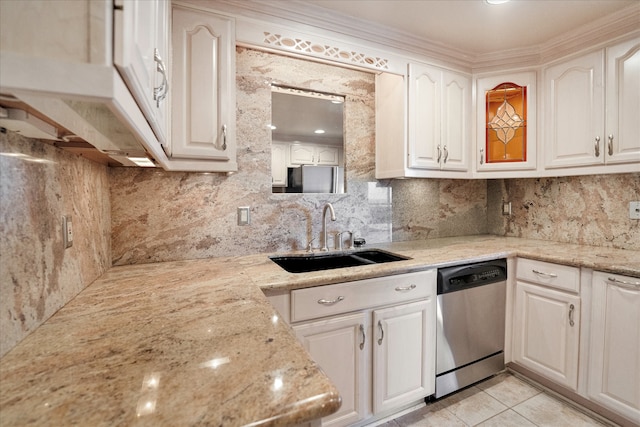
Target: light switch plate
634 210
244 216
506 208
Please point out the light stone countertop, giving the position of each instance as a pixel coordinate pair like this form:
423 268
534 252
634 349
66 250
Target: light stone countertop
197 343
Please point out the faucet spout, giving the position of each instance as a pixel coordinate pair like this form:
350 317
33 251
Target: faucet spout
329 207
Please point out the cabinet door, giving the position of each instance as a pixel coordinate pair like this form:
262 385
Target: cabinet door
547 332
203 96
141 55
424 121
340 346
328 156
527 153
614 357
623 103
302 154
456 121
403 354
574 121
279 165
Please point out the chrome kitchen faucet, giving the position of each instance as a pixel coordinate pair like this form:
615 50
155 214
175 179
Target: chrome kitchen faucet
324 225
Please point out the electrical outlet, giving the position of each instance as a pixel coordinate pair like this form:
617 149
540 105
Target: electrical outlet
67 231
506 208
244 217
634 210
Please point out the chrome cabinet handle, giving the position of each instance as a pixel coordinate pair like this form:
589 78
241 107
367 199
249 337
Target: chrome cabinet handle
624 284
610 144
439 153
542 273
224 137
597 146
160 92
381 332
482 156
364 337
405 288
571 309
446 154
330 302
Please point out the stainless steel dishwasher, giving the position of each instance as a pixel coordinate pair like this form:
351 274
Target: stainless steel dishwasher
471 322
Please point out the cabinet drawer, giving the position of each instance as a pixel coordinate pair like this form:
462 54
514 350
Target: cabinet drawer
328 300
545 273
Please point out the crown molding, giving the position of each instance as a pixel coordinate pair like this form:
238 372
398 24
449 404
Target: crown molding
298 12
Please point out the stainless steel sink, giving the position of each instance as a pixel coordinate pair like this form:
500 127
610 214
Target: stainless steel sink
328 261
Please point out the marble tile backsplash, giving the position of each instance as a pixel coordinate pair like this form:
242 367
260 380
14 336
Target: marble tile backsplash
161 216
588 210
38 185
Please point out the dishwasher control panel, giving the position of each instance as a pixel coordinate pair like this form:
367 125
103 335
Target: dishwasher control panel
451 279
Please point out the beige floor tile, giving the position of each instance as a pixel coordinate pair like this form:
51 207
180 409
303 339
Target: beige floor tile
508 418
544 410
476 408
441 418
508 389
434 414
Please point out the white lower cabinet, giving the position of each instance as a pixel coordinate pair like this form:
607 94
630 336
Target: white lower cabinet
340 347
546 333
381 357
614 356
403 364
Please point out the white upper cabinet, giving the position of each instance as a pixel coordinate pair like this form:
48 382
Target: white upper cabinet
506 130
623 103
574 112
203 96
585 124
439 118
141 52
312 154
423 123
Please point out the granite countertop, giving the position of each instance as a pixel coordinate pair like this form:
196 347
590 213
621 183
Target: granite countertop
196 342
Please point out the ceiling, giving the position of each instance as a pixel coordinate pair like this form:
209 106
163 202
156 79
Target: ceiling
473 26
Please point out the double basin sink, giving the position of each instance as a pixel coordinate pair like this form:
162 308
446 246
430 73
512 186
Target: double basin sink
329 261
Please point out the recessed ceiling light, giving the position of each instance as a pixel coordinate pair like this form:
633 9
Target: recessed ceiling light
318 131
272 127
496 1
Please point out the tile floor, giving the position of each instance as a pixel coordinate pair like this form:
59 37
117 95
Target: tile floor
504 401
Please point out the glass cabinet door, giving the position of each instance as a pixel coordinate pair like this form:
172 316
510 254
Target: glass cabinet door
506 140
506 122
